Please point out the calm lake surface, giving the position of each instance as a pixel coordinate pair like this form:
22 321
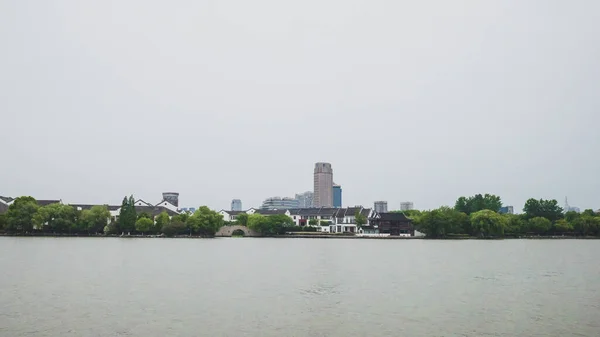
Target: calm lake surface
298 287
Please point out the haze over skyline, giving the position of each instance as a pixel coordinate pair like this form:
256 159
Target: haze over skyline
409 101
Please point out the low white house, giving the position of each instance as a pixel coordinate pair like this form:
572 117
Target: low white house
142 206
330 220
230 216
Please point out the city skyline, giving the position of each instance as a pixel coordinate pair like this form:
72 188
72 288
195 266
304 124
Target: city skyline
490 99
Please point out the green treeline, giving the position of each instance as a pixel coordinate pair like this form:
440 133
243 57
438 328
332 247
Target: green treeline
479 216
24 215
271 225
267 225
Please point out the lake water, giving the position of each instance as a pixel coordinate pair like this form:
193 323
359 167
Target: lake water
298 287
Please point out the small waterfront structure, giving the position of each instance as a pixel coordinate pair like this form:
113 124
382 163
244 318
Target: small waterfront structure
394 224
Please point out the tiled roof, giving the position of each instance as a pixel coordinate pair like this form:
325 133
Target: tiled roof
154 210
163 201
47 202
393 216
82 206
6 199
365 212
86 206
328 211
232 212
271 211
351 211
147 203
308 211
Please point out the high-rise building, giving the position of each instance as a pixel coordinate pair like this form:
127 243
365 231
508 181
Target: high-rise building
573 209
407 206
506 210
323 182
381 206
172 198
279 203
236 205
305 200
337 196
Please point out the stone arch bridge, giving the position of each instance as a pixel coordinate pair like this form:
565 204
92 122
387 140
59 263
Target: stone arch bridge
228 231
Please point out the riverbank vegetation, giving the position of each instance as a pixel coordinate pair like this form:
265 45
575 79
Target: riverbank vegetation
26 216
478 216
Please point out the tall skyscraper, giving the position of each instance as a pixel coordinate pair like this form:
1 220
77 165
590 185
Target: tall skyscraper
323 179
305 200
406 206
236 205
337 196
381 206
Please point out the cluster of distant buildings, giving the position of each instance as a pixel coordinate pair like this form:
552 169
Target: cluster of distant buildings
326 193
324 219
168 204
339 220
322 208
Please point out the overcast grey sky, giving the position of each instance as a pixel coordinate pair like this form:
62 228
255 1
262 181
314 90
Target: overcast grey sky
419 101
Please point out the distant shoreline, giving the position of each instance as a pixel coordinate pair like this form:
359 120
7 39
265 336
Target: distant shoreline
297 236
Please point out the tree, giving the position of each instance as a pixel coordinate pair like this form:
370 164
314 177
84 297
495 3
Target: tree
57 218
183 217
515 224
174 227
562 226
539 225
587 225
205 221
242 219
161 220
411 213
111 228
571 216
278 224
281 219
487 223
441 222
145 215
2 221
360 219
477 203
144 224
588 212
94 219
548 209
313 222
324 223
259 223
20 214
127 215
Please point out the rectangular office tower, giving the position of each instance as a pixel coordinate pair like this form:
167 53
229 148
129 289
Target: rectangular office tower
407 206
381 206
337 196
236 205
323 179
